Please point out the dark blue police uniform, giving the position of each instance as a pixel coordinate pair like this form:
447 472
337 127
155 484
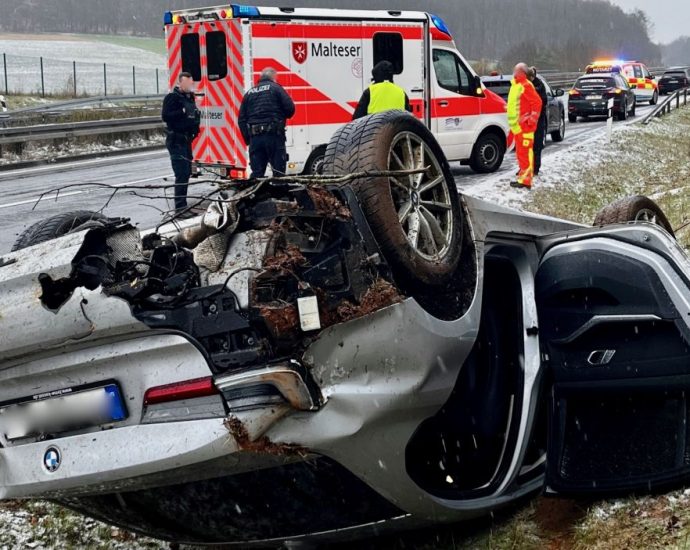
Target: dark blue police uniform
264 111
182 118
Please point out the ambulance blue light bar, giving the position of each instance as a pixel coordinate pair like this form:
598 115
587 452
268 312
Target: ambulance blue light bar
440 24
239 10
167 18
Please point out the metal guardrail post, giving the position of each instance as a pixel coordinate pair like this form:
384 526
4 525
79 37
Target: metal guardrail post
4 63
158 90
678 100
74 76
43 82
105 79
134 80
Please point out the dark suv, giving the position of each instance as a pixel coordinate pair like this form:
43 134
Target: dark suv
591 94
676 78
555 113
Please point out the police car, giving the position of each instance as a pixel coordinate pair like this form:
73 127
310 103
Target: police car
637 74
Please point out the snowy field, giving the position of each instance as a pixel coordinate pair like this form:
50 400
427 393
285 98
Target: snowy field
23 54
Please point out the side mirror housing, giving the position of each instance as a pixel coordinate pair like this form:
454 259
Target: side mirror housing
478 86
560 92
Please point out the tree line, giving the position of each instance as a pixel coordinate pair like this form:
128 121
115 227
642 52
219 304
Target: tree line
553 34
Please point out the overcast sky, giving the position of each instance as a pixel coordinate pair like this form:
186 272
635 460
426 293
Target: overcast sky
671 18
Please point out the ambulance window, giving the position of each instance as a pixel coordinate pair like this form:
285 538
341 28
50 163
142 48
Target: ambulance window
191 55
451 74
638 71
217 54
388 46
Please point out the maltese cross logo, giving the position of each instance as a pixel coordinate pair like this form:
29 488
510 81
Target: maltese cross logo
299 51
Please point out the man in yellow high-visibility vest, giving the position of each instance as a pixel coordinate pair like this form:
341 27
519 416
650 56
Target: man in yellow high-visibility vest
383 94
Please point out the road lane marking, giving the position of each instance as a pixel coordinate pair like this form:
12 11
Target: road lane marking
80 192
61 167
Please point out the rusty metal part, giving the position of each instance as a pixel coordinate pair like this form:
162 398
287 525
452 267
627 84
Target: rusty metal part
262 444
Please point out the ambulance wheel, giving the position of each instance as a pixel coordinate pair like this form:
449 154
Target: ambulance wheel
314 164
655 98
487 154
416 219
54 227
637 208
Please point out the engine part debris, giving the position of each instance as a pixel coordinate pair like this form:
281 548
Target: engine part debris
381 294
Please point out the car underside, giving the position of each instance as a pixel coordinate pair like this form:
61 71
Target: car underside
329 357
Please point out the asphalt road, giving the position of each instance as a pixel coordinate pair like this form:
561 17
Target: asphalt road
21 189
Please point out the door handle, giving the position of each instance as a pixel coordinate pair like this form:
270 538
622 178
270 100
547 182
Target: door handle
443 103
417 90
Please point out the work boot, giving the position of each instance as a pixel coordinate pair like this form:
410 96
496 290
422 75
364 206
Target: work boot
520 185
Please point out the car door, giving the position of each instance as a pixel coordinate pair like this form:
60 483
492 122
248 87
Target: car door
455 107
629 92
553 113
615 348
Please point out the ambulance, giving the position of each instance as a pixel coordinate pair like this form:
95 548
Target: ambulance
324 59
637 74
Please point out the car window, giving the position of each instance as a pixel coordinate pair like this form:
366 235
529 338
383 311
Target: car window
500 87
388 46
191 55
628 71
451 74
638 71
549 91
217 54
622 83
645 72
592 83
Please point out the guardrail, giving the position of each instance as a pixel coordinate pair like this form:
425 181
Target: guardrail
666 105
45 132
84 101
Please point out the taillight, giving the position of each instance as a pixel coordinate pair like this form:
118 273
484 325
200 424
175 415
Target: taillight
616 91
189 389
574 92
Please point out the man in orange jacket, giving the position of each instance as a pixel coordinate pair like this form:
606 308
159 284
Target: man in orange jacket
524 106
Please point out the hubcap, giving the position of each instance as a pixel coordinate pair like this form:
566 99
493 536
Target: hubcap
488 154
422 200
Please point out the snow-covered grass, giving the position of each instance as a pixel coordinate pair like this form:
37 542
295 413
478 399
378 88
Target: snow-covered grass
80 146
39 525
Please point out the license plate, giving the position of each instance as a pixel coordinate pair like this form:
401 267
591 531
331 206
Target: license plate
594 97
220 171
62 410
673 82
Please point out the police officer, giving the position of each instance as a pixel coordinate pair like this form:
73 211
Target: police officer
263 114
383 94
182 118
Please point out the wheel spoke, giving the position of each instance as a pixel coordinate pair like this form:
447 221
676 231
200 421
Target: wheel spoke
413 163
413 232
404 212
435 227
428 234
436 204
395 182
396 158
431 184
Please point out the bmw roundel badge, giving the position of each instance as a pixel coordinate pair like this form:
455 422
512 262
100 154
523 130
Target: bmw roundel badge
52 459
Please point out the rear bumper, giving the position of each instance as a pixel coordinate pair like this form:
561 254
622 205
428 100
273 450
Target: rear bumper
585 108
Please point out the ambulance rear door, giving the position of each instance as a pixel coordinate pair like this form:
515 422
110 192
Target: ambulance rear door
212 52
403 44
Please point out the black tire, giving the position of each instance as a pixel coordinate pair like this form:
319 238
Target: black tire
634 108
622 114
54 227
572 118
655 98
636 208
368 144
487 154
559 135
315 163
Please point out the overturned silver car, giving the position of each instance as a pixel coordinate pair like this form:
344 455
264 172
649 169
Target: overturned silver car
327 359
